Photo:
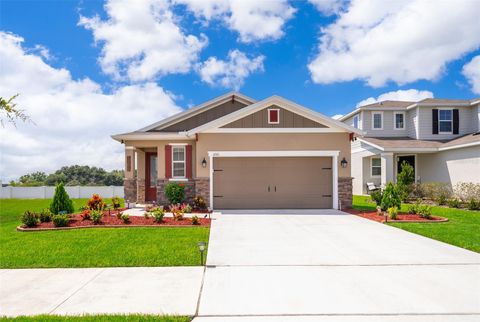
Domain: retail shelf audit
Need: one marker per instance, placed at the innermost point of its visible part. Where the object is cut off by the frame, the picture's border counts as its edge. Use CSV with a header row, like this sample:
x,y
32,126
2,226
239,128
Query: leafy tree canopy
x,y
75,175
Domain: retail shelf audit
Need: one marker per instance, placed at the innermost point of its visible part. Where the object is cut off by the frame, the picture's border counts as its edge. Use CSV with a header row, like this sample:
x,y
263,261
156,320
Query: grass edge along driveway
x,y
99,247
461,230
100,318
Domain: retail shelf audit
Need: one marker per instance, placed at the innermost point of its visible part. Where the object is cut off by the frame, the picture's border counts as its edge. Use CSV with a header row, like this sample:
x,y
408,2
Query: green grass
x,y
100,318
99,247
461,230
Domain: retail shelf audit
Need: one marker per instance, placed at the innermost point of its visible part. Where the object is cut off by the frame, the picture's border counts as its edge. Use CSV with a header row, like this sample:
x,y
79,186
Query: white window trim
x,y
371,167
178,178
358,121
451,121
395,120
373,123
278,115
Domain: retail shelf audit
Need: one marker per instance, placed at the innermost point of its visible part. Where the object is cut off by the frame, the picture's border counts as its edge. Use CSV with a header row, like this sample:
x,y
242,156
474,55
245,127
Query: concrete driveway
x,y
322,264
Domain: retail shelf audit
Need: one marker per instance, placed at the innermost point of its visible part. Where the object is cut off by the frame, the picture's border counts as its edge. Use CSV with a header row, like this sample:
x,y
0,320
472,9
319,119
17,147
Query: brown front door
x,y
274,183
150,176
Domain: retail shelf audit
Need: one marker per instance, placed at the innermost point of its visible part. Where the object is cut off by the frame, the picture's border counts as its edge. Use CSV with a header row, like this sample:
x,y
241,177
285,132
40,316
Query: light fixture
x,y
204,163
201,248
344,163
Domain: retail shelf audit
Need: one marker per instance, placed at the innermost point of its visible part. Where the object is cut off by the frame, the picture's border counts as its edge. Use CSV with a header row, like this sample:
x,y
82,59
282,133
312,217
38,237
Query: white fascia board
x,y
371,144
466,145
281,102
151,136
199,109
352,113
275,130
288,153
437,105
475,102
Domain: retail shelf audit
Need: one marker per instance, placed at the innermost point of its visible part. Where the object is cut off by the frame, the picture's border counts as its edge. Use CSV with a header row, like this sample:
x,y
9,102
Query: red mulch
x,y
401,217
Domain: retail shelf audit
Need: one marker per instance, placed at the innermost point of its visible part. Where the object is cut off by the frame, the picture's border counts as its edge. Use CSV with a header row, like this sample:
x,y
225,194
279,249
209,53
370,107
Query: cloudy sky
x,y
89,69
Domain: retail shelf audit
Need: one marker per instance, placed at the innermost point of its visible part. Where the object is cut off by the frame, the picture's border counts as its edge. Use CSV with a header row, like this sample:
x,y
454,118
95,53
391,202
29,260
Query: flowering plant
x,y
96,203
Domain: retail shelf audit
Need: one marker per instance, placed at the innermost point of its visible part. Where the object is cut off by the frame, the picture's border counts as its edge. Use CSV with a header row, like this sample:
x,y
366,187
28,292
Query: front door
x,y
150,176
410,159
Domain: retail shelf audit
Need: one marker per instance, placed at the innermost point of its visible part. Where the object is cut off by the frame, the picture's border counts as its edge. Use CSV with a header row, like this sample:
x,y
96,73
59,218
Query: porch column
x,y
387,168
129,182
140,176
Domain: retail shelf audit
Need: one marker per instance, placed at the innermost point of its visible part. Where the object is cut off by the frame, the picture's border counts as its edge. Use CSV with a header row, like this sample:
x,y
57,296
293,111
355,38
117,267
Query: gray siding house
x,y
440,138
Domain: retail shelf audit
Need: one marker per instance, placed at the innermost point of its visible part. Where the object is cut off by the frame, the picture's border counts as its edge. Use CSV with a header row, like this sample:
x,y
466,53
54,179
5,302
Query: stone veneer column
x,y
140,190
190,191
130,189
129,182
345,192
202,188
161,198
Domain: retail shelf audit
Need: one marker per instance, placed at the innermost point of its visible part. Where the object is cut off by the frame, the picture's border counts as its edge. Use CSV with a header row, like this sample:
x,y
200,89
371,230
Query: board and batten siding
x,y
465,126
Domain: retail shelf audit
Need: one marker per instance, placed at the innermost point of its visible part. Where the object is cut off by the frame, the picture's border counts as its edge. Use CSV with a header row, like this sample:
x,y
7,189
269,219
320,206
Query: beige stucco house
x,y
440,138
239,153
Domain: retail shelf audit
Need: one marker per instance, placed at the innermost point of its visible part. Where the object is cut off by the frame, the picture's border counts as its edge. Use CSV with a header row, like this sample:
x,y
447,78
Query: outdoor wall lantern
x,y
204,163
344,163
201,248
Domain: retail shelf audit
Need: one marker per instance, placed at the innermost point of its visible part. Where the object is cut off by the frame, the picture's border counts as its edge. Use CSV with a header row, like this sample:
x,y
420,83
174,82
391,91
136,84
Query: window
x,y
355,122
445,121
178,161
376,167
273,116
153,171
377,120
399,120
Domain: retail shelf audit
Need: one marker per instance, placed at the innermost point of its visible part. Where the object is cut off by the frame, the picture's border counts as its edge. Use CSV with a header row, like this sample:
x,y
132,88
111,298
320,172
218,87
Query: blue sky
x,y
324,54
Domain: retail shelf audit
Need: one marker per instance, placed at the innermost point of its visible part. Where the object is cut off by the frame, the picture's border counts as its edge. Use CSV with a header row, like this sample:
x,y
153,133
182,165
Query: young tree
x,y
10,113
390,197
61,201
405,179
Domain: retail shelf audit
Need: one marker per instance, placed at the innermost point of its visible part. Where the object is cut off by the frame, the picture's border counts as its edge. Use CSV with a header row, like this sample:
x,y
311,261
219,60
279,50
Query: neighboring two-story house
x,y
440,138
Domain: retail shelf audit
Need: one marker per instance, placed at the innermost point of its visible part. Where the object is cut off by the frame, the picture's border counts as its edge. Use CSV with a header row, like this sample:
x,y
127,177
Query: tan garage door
x,y
272,183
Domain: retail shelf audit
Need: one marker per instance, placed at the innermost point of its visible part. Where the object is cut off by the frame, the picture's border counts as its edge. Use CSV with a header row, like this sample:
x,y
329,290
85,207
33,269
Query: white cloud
x,y
337,116
232,72
471,71
400,41
73,118
254,20
141,40
412,95
328,7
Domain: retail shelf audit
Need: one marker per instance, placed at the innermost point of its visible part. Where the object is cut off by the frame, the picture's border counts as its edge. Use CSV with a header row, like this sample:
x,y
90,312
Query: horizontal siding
x,y
411,123
388,130
466,125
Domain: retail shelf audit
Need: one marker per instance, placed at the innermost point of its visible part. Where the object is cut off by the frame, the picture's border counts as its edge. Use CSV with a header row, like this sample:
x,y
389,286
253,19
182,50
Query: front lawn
x,y
99,247
461,230
100,318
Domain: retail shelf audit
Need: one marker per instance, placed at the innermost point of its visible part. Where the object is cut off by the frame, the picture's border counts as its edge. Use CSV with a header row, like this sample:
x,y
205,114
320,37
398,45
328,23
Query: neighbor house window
x,y
445,121
376,167
178,161
377,120
273,116
355,122
399,120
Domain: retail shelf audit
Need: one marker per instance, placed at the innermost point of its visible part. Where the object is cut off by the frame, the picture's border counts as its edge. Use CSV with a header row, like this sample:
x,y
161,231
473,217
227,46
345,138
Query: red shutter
x,y
188,161
168,161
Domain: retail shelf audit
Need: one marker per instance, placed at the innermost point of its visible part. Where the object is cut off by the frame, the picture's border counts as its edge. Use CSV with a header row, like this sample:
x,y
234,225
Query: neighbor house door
x,y
410,159
150,176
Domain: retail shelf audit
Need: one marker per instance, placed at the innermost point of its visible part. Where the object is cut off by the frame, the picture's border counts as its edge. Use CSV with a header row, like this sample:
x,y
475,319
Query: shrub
x,y
437,191
453,203
199,203
158,214
116,202
96,216
119,215
96,203
177,212
390,197
60,220
125,218
195,220
30,219
45,215
85,215
466,191
392,213
473,204
175,192
405,179
186,208
413,209
425,211
83,208
376,196
146,214
61,201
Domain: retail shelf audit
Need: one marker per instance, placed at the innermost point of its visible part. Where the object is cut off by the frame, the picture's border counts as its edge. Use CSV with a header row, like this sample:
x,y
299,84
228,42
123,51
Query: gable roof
x,y
281,102
198,109
383,105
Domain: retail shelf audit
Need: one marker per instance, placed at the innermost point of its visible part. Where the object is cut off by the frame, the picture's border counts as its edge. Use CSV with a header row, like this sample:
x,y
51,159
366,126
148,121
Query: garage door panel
x,y
294,182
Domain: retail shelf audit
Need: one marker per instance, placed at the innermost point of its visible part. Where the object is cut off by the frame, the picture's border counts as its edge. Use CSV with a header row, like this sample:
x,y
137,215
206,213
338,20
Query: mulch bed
x,y
111,221
401,217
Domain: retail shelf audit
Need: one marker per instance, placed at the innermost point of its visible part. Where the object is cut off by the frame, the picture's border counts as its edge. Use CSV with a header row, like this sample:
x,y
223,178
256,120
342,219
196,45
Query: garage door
x,y
272,182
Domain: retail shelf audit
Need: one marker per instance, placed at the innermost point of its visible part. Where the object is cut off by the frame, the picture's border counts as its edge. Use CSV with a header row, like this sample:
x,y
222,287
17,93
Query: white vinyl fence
x,y
45,192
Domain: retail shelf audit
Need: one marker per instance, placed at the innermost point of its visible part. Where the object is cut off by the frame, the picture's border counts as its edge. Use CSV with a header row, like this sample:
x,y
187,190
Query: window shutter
x,y
168,161
455,121
188,161
434,121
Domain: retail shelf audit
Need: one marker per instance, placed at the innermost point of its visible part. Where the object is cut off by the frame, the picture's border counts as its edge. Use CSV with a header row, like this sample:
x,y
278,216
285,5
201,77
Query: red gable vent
x,y
273,116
